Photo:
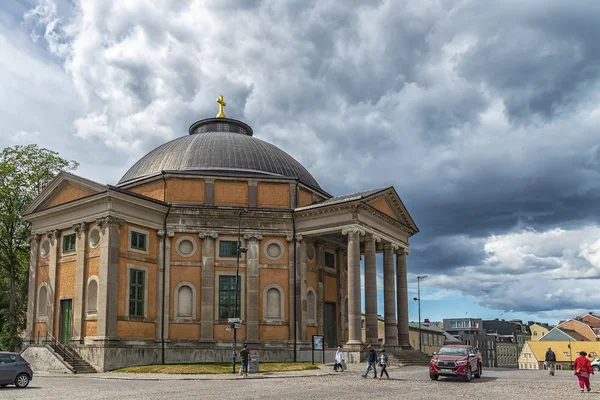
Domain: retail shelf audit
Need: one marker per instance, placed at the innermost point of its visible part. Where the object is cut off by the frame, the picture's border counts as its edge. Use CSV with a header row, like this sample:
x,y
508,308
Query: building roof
x,y
574,334
561,349
429,328
345,198
220,146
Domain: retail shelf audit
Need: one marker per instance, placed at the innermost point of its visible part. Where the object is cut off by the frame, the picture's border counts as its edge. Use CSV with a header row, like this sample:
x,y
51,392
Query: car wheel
x,y
479,371
22,381
596,368
469,375
434,377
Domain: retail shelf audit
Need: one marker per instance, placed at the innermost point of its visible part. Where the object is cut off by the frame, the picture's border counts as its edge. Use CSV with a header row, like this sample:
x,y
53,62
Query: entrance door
x,y
66,316
330,325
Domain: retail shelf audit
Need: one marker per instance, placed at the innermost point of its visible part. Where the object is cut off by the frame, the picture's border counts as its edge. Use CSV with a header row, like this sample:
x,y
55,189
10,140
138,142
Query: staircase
x,y
409,358
70,356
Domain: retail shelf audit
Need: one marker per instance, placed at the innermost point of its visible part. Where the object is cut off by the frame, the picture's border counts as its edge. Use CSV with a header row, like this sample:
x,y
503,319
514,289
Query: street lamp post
x,y
239,249
418,298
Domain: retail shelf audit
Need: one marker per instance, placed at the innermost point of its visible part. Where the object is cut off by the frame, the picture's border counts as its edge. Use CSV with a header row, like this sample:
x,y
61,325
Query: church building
x,y
144,272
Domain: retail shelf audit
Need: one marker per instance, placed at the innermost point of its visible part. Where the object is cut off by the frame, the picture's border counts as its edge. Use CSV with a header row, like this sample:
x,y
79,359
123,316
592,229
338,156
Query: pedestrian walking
x,y
339,359
551,361
384,362
245,356
583,370
371,362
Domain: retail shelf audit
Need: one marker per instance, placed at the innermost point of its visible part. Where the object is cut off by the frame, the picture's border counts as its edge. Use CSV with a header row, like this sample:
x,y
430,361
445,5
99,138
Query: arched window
x,y
185,301
273,303
42,305
311,306
92,295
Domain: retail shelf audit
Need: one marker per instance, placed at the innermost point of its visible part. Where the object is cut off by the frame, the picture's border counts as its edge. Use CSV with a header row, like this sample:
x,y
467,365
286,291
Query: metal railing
x,y
65,352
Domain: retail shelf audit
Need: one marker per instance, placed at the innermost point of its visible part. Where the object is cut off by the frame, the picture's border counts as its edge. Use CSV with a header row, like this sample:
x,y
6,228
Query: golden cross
x,y
222,104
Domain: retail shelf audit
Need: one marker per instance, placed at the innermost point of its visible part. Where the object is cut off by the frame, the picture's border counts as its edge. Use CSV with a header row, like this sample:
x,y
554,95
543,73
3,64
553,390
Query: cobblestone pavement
x,y
406,383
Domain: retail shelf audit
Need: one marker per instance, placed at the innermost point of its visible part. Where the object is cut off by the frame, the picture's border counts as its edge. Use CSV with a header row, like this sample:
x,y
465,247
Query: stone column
x,y
341,295
252,297
303,287
54,237
160,284
32,289
167,289
291,287
389,296
208,286
354,298
371,290
108,278
320,248
402,298
79,301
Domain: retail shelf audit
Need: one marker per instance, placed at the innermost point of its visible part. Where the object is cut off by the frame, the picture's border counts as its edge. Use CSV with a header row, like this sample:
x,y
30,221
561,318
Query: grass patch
x,y
215,368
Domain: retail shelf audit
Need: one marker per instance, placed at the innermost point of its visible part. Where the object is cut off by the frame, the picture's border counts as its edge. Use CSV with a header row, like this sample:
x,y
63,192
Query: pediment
x,y
64,188
388,202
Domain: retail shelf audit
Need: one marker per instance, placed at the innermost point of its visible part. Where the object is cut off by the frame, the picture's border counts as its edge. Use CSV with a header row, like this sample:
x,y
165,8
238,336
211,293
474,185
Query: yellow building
x,y
538,331
432,337
144,271
533,354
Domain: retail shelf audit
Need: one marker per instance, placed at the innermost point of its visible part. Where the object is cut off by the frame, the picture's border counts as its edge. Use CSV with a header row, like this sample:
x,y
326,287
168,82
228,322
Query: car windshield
x,y
452,351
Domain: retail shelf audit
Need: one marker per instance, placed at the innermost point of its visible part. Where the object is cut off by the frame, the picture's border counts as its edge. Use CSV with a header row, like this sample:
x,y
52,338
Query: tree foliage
x,y
24,172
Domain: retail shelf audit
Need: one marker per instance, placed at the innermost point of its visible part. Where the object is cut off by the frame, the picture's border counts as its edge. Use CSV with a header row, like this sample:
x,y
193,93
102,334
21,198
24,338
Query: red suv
x,y
455,360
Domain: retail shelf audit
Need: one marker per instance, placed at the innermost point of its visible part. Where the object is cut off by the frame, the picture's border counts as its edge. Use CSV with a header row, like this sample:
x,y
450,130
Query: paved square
x,y
406,383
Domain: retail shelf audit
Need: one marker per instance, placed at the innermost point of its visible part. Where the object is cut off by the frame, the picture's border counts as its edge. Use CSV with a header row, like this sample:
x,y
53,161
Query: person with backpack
x,y
384,362
551,361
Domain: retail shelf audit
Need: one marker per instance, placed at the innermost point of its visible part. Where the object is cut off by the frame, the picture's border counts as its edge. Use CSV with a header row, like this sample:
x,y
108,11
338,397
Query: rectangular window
x,y
227,297
138,241
329,260
227,248
68,243
137,284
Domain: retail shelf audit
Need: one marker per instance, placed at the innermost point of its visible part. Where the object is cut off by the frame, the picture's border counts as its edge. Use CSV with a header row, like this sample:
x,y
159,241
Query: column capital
x,y
105,222
290,238
372,236
253,236
401,251
208,235
80,228
53,235
35,237
353,229
319,243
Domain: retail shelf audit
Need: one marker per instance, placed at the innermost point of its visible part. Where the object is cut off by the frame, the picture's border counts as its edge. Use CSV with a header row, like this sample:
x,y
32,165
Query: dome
x,y
220,146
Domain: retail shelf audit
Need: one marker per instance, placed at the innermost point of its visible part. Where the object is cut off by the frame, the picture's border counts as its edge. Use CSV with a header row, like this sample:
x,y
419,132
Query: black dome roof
x,y
220,145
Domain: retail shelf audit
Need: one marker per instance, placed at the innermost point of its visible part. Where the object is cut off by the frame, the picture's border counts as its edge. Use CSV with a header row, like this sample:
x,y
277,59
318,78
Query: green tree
x,y
24,172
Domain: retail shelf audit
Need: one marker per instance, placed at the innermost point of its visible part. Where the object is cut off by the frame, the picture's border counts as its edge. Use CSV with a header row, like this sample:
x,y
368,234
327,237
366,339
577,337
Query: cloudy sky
x,y
483,115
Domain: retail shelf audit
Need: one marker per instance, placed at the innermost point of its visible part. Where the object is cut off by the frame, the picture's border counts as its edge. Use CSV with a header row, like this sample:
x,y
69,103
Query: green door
x,y
66,318
330,325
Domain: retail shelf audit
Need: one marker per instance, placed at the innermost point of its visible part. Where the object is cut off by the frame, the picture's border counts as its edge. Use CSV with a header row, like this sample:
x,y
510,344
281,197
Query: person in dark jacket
x,y
551,361
371,362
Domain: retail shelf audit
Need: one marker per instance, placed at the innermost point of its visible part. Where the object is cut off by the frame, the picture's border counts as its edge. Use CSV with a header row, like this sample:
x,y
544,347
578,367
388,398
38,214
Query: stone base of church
x,y
108,356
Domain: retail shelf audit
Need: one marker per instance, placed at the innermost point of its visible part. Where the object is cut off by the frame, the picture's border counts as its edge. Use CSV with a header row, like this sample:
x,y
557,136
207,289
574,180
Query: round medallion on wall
x,y
273,250
94,237
45,248
186,246
310,252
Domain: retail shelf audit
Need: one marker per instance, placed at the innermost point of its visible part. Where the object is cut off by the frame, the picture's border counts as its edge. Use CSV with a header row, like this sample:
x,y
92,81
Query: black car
x,y
14,370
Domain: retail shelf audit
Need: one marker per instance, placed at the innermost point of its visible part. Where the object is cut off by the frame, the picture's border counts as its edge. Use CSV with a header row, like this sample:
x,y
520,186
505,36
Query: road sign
x,y
237,325
233,320
228,329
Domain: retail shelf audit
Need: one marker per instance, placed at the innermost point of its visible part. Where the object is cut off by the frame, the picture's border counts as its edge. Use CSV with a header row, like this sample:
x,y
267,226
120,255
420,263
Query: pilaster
x,y
252,296
303,287
32,289
252,193
291,287
78,301
389,296
54,237
167,289
208,285
108,278
341,295
402,297
209,192
320,247
160,289
371,290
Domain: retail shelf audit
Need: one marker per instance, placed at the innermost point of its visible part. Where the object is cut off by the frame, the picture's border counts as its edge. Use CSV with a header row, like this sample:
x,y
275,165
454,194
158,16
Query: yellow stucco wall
x,y
383,206
184,331
40,330
153,189
330,288
187,191
192,275
537,331
65,289
93,267
304,198
284,257
269,277
151,289
271,332
229,193
276,195
196,257
311,282
69,193
41,276
310,331
136,329
219,332
152,240
90,328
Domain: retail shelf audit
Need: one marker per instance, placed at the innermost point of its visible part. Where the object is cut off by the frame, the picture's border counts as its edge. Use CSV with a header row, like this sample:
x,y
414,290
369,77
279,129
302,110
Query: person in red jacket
x,y
583,369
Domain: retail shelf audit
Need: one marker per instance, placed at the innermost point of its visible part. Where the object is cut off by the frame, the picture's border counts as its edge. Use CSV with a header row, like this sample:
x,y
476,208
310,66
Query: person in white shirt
x,y
339,359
